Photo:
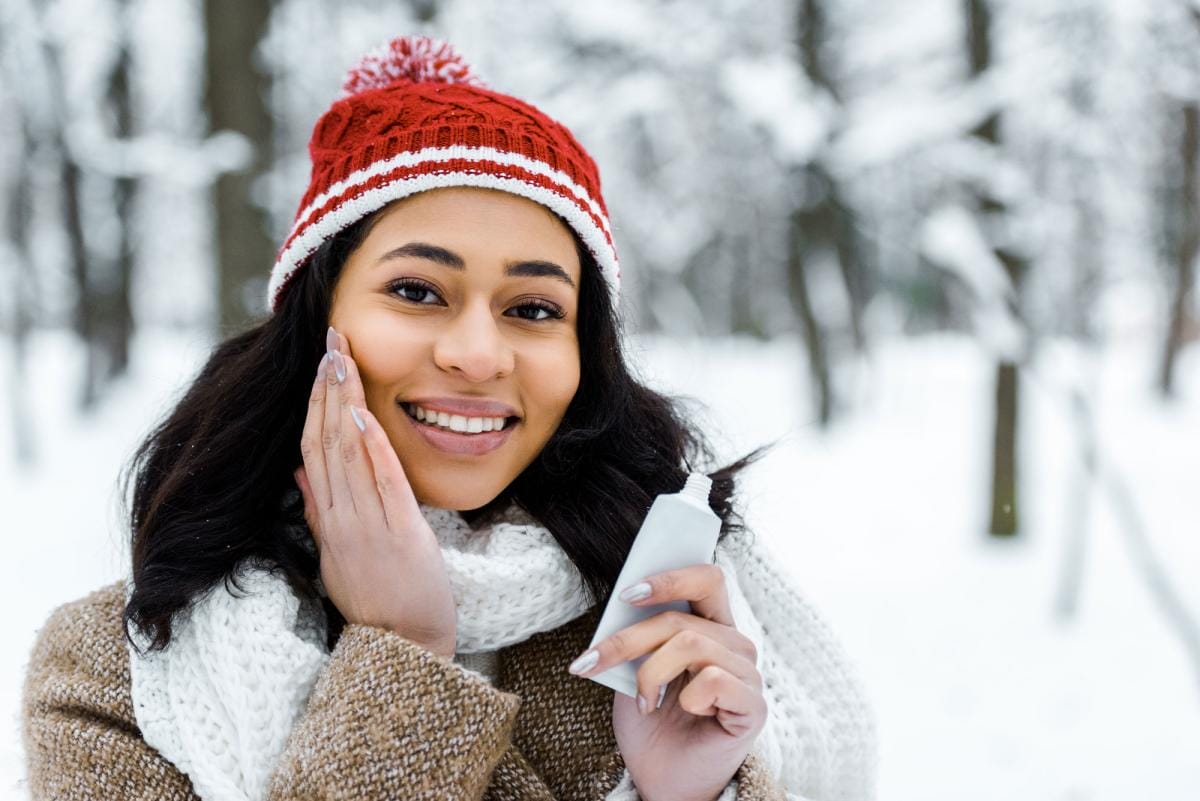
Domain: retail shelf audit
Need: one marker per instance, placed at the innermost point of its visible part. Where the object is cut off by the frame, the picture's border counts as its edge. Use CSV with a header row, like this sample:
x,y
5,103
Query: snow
x,y
774,93
950,237
980,690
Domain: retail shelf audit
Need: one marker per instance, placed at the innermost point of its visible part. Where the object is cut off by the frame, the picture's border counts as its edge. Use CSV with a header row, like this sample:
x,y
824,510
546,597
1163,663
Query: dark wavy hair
x,y
213,482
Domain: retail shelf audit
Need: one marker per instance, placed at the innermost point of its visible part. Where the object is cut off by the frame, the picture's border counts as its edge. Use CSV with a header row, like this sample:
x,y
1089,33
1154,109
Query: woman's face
x,y
455,294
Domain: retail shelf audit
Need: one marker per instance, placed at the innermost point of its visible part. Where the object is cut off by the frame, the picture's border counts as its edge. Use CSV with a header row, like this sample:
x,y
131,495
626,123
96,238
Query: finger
x,y
739,707
652,633
395,493
305,492
331,438
355,459
343,344
310,515
311,448
692,652
702,585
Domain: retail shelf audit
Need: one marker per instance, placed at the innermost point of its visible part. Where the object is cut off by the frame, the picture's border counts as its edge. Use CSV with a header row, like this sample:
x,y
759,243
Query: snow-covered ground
x,y
981,692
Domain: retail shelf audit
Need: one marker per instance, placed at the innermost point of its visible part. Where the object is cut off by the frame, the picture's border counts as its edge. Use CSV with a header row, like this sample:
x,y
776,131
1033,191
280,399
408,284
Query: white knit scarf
x,y
220,701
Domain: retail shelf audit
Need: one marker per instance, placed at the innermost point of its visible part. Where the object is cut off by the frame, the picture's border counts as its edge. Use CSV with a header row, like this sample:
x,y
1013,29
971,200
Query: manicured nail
x,y
331,340
585,662
358,421
339,366
643,707
662,693
636,592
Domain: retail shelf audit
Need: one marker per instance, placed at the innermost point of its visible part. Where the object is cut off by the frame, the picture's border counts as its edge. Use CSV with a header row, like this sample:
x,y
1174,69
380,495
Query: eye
x,y
552,311
410,285
418,288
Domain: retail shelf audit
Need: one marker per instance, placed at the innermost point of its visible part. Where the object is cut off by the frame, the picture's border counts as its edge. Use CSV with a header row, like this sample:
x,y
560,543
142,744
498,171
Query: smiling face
x,y
470,294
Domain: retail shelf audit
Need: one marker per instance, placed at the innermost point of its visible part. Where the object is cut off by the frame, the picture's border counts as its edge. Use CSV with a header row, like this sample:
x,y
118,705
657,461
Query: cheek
x,y
386,364
554,378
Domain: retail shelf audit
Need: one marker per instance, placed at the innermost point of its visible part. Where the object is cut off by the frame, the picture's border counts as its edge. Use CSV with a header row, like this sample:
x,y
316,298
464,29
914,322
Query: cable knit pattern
x,y
508,582
247,704
230,687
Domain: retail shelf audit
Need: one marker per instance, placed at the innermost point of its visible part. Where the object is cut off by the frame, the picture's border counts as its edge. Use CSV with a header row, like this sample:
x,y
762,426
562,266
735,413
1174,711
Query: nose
x,y
472,344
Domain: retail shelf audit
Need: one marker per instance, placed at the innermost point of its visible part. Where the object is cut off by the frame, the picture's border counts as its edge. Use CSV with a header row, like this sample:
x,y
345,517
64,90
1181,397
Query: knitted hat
x,y
413,116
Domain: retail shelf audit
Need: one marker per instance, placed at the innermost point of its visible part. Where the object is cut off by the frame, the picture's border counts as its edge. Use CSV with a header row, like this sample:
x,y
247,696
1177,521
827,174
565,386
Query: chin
x,y
458,498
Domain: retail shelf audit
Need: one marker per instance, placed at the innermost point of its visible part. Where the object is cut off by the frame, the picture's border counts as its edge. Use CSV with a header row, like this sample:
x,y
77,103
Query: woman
x,y
442,381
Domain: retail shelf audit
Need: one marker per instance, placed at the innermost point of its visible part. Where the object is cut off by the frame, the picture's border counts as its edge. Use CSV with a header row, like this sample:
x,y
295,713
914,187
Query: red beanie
x,y
412,117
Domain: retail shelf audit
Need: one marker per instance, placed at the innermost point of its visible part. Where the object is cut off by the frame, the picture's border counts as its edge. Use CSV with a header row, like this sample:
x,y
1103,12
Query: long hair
x,y
213,483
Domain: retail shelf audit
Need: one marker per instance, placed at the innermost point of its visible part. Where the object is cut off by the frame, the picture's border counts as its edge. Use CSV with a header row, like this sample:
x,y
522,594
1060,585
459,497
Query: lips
x,y
460,444
467,407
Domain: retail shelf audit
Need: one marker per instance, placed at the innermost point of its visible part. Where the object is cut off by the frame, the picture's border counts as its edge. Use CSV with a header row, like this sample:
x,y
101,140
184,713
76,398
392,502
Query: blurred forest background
x,y
826,177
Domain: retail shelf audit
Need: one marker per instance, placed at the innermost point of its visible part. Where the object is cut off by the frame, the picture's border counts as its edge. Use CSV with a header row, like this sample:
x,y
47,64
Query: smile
x,y
463,442
457,422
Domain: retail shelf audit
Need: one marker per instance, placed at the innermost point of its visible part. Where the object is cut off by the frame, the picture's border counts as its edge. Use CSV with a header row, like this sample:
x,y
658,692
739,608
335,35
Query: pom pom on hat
x,y
407,60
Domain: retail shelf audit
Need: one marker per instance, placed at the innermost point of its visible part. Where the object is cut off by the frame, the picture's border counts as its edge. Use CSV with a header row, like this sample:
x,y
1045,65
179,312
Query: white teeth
x,y
457,422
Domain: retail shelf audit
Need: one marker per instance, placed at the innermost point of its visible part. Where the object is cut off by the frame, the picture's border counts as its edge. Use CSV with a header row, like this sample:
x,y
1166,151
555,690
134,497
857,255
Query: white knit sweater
x,y
221,701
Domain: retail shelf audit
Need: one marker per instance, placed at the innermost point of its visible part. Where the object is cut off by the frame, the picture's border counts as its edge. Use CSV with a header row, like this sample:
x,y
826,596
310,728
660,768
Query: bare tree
x,y
1182,213
69,179
21,302
236,100
116,311
101,316
1003,519
822,225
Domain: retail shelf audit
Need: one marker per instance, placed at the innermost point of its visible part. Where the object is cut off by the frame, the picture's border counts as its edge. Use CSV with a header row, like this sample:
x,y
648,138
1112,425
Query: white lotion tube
x,y
680,530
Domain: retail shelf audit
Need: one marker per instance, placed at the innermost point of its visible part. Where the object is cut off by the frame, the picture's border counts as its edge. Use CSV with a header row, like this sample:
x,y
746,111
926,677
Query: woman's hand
x,y
690,747
380,561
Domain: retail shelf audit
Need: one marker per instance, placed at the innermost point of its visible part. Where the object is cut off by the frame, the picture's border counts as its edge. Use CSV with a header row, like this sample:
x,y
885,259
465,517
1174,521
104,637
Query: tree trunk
x,y
1004,456
83,316
236,99
24,294
1004,512
832,225
745,293
1184,244
814,340
117,307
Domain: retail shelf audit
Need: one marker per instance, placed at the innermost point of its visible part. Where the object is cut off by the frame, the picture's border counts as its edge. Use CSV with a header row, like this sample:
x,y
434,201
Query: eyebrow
x,y
446,258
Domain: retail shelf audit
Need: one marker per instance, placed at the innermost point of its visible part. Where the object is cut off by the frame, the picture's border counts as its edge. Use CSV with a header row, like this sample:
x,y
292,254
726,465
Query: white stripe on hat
x,y
436,154
372,200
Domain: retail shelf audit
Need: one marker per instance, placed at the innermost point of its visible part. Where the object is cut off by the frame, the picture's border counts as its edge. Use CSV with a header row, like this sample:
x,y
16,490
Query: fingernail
x,y
585,662
635,592
358,421
339,366
642,705
331,340
662,693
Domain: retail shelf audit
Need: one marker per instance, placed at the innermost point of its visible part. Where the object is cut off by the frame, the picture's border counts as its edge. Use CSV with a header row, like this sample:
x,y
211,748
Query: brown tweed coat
x,y
386,719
